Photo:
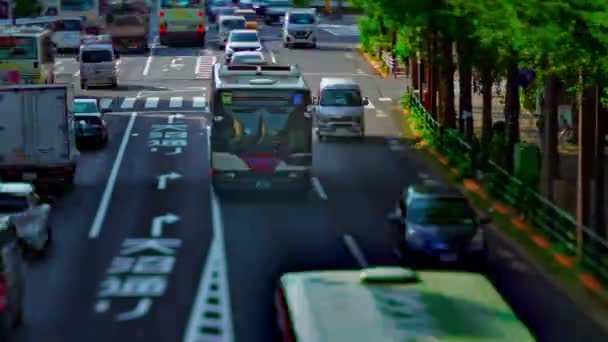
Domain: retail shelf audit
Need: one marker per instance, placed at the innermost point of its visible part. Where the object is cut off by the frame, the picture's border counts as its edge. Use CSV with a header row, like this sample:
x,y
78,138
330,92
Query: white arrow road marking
x,y
160,221
178,150
176,101
162,179
142,308
102,306
370,105
172,117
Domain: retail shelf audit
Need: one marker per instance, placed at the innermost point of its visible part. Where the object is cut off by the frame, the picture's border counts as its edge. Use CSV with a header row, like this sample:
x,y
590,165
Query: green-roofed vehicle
x,y
393,304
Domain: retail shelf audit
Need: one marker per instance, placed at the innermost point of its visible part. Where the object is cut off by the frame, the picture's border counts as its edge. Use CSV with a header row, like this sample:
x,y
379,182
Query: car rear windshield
x,y
341,98
435,210
12,204
85,107
96,56
244,37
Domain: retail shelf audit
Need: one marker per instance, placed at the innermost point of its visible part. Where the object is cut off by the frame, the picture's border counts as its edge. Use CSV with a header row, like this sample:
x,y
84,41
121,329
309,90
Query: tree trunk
x,y
587,108
447,114
465,75
486,115
413,71
512,109
550,114
599,209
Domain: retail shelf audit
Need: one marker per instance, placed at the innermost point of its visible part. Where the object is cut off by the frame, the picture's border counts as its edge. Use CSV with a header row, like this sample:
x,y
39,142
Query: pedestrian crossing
x,y
204,64
121,104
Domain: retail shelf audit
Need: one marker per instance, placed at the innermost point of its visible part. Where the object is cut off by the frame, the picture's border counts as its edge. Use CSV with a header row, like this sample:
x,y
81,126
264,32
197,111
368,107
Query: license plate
x,y
29,176
263,184
448,257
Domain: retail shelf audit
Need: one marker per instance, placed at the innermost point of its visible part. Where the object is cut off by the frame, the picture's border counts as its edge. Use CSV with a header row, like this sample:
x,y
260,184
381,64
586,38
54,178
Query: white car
x,y
248,58
21,207
242,40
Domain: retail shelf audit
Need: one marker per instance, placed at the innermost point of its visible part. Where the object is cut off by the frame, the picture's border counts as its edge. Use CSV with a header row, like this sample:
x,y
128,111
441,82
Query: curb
x,y
374,63
592,286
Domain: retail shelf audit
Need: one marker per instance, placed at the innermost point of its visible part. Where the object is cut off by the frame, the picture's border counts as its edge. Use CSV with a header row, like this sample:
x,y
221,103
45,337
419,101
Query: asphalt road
x,y
228,255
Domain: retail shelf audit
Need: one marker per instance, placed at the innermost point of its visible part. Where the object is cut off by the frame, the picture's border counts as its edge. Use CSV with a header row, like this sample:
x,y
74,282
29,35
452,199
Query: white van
x,y
98,64
227,23
300,27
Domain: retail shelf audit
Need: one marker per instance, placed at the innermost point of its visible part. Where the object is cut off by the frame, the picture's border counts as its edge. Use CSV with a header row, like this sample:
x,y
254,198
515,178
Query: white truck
x,y
37,142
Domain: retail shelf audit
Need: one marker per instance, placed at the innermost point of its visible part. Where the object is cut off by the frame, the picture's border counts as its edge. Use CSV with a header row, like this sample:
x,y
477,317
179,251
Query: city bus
x,y
86,9
261,132
182,21
67,31
385,304
31,49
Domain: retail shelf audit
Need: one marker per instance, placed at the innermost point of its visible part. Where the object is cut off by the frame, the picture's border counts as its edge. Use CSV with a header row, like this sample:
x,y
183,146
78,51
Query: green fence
x,y
556,224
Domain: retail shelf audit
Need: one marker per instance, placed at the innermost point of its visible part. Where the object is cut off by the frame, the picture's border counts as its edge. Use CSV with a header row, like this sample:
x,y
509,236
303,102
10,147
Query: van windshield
x,y
96,56
341,98
302,19
233,24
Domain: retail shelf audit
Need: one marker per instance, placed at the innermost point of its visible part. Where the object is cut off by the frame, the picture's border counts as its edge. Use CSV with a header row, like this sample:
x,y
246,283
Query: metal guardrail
x,y
393,65
556,224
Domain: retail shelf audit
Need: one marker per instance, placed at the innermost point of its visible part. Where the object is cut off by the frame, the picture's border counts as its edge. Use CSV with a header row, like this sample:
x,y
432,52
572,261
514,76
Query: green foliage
x,y
301,3
28,8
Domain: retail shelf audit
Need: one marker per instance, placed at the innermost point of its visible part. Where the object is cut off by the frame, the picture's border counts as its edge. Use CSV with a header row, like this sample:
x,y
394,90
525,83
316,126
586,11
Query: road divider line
x,y
107,193
151,102
272,56
149,59
316,184
355,251
175,101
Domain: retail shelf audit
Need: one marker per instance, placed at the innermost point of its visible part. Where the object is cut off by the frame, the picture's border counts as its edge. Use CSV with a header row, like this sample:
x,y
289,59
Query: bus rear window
x,y
180,4
68,25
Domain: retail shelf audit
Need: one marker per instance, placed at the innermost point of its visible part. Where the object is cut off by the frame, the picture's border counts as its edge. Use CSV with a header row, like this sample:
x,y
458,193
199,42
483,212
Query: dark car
x,y
274,11
436,223
89,123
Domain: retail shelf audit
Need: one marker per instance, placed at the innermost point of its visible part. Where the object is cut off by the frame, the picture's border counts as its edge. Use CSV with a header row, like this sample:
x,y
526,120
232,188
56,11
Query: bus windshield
x,y
180,4
18,48
261,121
77,5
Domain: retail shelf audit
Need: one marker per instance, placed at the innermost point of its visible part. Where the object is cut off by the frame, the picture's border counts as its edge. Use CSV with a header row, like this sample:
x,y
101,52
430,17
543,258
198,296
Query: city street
x,y
144,206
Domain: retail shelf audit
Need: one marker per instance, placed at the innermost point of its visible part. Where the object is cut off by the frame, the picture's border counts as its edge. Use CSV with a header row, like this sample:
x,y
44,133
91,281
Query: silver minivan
x,y
98,65
227,23
339,108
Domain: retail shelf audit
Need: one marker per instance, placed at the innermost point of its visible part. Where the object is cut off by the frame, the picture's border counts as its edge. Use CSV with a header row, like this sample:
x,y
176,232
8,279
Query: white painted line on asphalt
x,y
385,99
381,114
316,184
151,102
272,57
176,101
354,250
107,193
149,59
361,72
77,73
135,134
105,103
129,102
199,101
348,55
370,105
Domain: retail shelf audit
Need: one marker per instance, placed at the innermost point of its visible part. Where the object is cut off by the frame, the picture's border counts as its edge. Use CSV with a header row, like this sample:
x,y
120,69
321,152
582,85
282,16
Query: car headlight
x,y
478,240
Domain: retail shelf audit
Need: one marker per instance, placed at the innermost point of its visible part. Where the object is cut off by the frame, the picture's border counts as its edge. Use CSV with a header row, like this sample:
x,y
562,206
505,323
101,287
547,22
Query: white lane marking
x,y
385,99
361,72
107,193
370,105
204,65
149,59
272,56
135,134
151,102
105,103
175,101
129,102
381,114
77,73
215,263
316,184
199,101
354,250
348,55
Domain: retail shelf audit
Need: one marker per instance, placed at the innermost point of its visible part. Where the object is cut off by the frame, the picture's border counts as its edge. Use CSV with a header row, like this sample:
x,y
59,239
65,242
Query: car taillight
x,y
162,14
201,14
3,292
163,28
200,28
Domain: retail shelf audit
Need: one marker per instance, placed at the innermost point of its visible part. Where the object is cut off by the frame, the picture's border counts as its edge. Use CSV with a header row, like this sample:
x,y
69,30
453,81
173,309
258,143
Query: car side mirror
x,y
485,220
365,101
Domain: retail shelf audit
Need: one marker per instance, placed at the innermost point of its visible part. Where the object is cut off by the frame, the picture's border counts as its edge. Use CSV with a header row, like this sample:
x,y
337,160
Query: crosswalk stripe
x,y
129,102
199,101
175,102
105,103
370,105
151,102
